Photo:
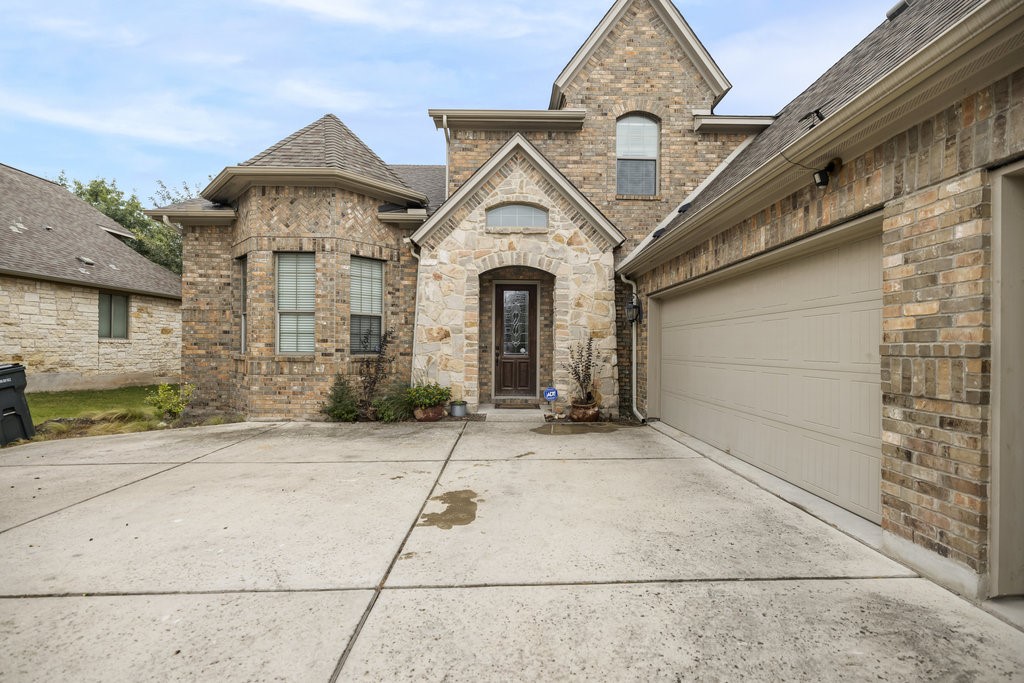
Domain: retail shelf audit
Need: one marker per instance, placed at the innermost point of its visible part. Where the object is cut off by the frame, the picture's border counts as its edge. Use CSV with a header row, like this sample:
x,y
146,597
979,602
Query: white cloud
x,y
494,20
160,118
86,32
318,95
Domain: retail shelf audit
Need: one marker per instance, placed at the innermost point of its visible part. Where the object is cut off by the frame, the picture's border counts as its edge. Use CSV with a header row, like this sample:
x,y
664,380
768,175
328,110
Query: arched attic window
x,y
517,216
636,143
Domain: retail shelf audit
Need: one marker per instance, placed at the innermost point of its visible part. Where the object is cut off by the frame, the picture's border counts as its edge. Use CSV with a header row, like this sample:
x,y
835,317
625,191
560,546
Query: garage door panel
x,y
794,389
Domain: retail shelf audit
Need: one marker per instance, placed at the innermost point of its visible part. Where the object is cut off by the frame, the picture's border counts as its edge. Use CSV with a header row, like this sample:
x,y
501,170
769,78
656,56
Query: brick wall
x,y
53,329
335,225
932,183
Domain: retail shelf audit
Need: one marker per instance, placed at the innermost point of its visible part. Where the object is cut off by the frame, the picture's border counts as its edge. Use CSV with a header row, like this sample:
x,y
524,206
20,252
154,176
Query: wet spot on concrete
x,y
460,510
580,428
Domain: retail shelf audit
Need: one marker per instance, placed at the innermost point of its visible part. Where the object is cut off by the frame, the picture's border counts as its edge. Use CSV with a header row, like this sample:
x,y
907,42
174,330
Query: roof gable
x,y
47,233
675,22
518,143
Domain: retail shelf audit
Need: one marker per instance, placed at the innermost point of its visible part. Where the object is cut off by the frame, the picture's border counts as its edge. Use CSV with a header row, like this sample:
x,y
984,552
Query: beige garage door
x,y
780,367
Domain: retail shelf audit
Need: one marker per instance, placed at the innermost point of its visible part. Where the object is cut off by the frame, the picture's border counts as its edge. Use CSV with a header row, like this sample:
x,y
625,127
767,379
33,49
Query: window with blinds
x,y
636,141
243,304
366,304
517,216
296,302
113,316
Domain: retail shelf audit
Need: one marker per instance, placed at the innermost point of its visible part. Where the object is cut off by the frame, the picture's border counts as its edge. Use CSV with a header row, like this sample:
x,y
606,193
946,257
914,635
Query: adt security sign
x,y
551,394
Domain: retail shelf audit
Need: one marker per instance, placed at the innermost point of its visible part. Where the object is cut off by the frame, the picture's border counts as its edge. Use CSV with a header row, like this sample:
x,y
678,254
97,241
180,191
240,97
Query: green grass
x,y
56,404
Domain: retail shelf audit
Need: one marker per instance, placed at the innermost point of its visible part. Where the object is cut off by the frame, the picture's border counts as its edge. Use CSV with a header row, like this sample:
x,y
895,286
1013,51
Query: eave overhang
x,y
519,143
225,216
412,217
234,180
986,45
682,32
713,123
26,275
508,119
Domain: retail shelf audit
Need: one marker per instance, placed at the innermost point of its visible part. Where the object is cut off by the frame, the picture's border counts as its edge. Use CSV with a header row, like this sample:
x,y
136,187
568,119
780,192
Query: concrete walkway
x,y
453,551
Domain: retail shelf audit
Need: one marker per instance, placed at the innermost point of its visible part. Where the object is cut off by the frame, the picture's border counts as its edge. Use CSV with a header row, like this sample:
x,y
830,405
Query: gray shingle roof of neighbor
x,y
326,143
885,48
48,233
430,180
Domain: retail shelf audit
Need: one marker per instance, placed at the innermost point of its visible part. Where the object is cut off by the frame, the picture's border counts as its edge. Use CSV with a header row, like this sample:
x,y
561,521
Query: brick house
x,y
831,294
79,308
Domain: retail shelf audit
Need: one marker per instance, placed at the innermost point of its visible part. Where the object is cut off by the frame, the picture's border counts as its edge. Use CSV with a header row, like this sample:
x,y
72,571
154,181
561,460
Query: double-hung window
x,y
296,302
113,316
367,304
636,141
243,304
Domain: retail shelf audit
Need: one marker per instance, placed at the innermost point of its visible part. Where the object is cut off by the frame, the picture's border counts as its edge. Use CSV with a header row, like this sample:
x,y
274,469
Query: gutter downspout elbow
x,y
639,416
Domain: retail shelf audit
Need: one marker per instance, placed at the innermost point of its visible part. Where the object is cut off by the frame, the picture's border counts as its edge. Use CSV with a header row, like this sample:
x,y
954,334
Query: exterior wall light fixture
x,y
822,177
634,311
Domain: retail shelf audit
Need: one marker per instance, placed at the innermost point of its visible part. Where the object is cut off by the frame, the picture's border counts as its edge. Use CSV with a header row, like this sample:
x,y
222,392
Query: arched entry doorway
x,y
516,334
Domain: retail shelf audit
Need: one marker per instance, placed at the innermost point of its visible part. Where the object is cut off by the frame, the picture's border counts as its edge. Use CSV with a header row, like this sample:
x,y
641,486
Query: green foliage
x,y
428,395
158,242
581,370
53,405
171,400
372,371
342,403
394,406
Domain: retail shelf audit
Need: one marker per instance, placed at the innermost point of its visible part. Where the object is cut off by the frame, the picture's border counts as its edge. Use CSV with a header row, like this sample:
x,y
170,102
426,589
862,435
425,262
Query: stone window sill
x,y
639,197
113,340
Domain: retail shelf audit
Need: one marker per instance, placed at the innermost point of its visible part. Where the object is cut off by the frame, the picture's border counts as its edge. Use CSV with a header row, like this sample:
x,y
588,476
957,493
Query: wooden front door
x,y
515,340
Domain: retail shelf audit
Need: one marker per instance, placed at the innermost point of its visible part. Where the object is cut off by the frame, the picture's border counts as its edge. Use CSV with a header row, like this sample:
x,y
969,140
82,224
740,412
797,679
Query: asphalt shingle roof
x,y
430,180
326,143
885,48
44,229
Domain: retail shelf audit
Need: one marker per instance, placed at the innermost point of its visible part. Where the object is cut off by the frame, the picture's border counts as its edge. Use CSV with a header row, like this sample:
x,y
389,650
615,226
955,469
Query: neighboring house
x,y
832,294
78,307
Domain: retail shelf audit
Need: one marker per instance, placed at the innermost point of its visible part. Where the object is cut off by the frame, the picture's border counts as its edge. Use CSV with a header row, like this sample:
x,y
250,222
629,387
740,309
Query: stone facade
x,y
53,330
464,252
333,224
931,180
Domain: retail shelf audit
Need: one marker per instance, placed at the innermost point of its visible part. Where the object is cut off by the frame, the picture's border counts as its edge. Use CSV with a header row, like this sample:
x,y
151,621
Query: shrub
x,y
428,395
342,404
171,400
581,367
394,406
372,372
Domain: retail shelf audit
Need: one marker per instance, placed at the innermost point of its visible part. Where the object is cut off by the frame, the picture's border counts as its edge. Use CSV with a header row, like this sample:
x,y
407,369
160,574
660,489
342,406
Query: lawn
x,y
66,404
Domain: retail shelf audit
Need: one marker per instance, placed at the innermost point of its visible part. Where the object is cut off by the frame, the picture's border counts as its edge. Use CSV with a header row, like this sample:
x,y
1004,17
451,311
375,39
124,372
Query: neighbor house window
x,y
517,216
113,316
296,302
243,304
636,139
367,304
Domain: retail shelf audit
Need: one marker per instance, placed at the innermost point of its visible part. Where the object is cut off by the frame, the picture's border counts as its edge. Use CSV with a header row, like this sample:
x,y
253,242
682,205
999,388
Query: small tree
x,y
581,368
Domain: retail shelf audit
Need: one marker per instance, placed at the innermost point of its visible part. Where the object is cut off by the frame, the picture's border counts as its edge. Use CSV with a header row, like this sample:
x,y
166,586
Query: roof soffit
x,y
675,22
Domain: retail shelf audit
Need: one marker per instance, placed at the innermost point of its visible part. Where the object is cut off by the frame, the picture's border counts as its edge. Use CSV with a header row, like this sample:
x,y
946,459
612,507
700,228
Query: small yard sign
x,y
551,394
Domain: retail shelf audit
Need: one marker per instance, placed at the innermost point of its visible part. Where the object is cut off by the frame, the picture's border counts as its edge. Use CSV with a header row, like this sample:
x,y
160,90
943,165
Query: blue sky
x,y
174,91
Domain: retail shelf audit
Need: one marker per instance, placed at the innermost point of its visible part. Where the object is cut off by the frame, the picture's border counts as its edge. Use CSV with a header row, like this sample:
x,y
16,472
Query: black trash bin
x,y
15,420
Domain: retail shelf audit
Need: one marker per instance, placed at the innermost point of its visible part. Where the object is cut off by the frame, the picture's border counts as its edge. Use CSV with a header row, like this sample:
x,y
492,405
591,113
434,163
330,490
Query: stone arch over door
x,y
544,325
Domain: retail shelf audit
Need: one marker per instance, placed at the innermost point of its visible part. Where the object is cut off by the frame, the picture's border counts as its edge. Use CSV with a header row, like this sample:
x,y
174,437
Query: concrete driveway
x,y
452,551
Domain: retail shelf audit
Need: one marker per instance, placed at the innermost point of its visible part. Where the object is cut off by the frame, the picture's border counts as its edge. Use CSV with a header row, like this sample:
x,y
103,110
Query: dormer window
x,y
517,216
636,139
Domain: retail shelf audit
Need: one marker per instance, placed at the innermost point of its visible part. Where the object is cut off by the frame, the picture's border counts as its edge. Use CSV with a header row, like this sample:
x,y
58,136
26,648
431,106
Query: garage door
x,y
780,367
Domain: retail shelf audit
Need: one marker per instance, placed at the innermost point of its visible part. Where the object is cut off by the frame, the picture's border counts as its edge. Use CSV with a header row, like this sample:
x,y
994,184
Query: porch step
x,y
519,413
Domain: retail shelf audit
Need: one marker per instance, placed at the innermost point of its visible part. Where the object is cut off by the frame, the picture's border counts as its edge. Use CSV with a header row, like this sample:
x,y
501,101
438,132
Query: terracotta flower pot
x,y
584,412
431,414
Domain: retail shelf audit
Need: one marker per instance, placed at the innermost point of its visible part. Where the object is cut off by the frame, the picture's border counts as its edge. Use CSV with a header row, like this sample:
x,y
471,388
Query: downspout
x,y
416,309
447,155
633,325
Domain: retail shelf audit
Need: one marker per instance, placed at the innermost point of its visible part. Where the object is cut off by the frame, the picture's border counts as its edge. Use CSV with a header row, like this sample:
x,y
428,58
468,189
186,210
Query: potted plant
x,y
428,401
457,408
582,405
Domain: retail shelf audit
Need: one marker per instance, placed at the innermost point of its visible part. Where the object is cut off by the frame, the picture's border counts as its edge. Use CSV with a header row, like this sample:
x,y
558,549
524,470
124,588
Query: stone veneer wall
x,y
937,283
335,225
53,330
448,335
638,68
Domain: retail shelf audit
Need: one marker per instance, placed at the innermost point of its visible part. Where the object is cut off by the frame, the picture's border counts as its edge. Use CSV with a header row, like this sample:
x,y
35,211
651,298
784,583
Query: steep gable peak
x,y
681,31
